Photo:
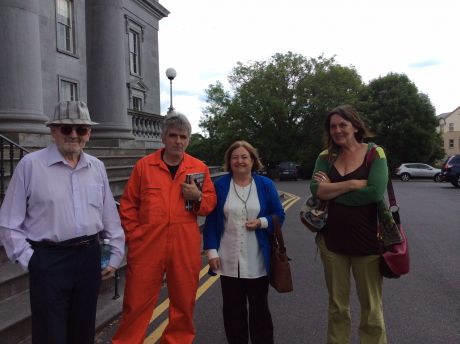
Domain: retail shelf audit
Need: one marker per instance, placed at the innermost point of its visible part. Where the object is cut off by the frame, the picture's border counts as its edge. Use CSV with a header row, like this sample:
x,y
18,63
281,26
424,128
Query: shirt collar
x,y
55,157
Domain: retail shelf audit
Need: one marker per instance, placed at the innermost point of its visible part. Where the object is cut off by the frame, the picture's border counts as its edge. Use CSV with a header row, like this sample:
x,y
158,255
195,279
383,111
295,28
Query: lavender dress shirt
x,y
49,200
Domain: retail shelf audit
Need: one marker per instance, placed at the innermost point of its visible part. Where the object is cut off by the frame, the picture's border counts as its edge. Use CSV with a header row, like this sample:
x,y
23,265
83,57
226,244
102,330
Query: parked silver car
x,y
408,171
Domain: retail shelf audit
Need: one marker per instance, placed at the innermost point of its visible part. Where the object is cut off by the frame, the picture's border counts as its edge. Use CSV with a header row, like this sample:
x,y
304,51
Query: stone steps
x,y
15,321
13,280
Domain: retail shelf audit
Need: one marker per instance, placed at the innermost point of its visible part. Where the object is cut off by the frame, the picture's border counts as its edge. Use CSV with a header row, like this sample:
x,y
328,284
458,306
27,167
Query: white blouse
x,y
239,252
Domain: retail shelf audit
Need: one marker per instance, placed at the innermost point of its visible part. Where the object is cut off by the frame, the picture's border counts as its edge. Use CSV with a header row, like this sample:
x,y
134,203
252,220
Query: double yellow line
x,y
290,201
160,309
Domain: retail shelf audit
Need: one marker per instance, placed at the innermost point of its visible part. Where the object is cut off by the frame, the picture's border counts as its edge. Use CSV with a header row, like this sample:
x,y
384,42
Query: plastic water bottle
x,y
105,253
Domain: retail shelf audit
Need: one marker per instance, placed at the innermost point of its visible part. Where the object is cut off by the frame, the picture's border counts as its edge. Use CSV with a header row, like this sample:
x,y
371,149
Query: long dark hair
x,y
348,113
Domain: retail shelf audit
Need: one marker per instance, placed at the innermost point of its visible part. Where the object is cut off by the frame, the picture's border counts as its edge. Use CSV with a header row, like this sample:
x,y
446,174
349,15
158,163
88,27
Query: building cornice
x,y
154,8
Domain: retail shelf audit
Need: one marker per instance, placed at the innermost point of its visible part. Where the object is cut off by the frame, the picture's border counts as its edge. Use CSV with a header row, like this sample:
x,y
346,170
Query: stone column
x,y
21,93
107,92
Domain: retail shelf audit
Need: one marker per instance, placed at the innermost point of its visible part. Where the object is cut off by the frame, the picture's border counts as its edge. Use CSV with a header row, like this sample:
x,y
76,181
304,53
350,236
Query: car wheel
x,y
405,177
456,181
438,178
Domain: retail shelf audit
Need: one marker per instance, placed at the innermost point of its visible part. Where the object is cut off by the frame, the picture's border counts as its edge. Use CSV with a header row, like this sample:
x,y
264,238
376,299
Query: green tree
x,y
214,123
278,105
198,147
328,86
402,119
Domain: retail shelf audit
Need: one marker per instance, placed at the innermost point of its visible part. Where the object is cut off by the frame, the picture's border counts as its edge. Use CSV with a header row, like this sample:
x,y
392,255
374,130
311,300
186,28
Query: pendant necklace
x,y
241,199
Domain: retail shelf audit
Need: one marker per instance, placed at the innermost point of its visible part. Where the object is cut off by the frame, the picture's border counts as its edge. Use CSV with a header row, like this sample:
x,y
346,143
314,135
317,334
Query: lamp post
x,y
171,74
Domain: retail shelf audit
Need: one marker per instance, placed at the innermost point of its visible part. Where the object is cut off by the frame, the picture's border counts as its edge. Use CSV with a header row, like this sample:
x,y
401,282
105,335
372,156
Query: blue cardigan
x,y
269,205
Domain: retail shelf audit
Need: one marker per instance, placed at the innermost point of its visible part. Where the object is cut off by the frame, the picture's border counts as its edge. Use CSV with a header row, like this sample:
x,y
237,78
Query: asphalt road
x,y
421,307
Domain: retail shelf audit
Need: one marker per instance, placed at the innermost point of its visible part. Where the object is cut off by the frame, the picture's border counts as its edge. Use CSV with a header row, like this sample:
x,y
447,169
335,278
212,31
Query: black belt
x,y
71,243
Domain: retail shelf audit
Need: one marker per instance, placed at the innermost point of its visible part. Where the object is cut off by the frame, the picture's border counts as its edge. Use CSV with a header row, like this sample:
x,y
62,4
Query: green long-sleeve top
x,y
376,182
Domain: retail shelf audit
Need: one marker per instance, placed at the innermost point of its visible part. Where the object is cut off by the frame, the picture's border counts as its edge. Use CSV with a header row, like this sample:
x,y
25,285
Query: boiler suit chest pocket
x,y
152,202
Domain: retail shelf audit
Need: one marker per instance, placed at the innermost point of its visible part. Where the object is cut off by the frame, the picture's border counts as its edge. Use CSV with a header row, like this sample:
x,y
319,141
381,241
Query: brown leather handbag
x,y
280,274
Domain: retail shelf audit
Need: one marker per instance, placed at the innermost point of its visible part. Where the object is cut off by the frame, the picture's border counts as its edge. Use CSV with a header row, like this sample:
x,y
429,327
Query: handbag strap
x,y
394,208
391,193
277,234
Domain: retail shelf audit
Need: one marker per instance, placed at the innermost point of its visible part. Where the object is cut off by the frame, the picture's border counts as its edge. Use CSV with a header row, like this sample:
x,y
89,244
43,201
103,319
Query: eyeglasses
x,y
67,130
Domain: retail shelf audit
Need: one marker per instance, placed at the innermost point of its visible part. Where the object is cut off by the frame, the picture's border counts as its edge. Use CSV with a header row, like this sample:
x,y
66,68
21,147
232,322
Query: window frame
x,y
61,81
140,102
136,94
137,29
134,54
72,28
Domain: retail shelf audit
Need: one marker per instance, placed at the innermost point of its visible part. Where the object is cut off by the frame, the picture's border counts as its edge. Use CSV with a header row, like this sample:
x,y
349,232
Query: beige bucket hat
x,y
71,112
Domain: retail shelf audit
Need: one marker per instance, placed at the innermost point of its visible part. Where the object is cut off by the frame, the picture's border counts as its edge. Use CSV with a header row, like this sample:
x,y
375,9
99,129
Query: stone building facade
x,y
449,127
104,52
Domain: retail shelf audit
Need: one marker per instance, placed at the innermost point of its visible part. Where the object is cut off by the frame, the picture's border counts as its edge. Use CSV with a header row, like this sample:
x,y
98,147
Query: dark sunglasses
x,y
67,130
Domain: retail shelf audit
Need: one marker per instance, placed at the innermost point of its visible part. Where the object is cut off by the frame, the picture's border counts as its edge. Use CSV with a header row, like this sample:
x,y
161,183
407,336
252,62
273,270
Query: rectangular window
x,y
451,143
134,52
451,126
65,27
68,90
137,103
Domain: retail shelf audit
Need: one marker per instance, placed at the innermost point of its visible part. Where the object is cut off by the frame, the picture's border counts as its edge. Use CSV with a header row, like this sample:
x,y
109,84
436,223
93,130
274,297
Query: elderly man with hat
x,y
57,207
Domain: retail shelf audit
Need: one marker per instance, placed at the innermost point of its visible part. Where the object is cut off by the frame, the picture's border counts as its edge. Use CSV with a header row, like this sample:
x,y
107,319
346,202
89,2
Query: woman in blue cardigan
x,y
237,243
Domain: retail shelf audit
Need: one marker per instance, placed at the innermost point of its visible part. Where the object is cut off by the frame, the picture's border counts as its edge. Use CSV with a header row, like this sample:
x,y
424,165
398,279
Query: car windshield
x,y
455,159
287,165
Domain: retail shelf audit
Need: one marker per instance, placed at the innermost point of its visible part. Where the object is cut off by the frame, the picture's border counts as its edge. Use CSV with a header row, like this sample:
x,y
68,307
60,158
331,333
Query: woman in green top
x,y
349,240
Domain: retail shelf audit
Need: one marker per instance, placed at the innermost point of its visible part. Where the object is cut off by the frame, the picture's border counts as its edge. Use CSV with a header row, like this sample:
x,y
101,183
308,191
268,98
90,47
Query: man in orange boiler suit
x,y
163,237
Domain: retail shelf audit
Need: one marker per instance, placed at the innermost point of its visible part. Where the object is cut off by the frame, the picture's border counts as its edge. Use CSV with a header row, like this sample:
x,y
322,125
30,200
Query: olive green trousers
x,y
368,282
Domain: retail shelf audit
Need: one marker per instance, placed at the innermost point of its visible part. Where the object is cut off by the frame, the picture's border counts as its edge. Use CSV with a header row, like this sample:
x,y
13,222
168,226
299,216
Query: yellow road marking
x,y
165,304
290,202
156,334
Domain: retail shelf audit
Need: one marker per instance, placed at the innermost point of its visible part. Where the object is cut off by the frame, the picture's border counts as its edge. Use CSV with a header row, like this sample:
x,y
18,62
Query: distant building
x,y
449,127
104,52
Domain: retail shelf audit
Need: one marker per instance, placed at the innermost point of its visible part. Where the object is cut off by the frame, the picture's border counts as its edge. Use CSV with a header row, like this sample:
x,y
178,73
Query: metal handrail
x,y
12,146
116,293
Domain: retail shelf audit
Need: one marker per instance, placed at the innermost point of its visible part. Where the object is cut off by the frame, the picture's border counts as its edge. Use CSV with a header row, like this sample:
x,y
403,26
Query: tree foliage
x,y
402,119
280,105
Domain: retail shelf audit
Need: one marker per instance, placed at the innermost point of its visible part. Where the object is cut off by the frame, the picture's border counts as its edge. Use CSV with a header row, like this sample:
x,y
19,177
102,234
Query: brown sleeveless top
x,y
351,230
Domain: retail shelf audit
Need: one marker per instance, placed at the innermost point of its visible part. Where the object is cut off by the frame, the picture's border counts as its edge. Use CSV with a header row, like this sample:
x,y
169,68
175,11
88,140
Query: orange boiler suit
x,y
162,238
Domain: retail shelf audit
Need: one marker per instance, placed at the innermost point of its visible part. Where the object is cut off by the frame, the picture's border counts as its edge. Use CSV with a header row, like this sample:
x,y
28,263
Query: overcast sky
x,y
204,39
